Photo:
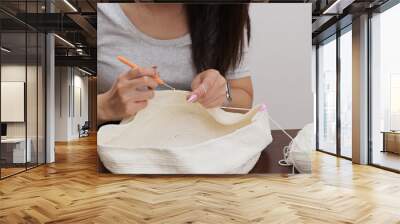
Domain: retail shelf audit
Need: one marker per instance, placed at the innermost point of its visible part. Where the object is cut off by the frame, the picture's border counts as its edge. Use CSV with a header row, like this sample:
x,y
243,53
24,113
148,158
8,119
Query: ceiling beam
x,y
89,30
337,7
78,61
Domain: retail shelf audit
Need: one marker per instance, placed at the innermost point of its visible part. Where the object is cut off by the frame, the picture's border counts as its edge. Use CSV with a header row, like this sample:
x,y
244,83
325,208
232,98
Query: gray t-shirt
x,y
117,35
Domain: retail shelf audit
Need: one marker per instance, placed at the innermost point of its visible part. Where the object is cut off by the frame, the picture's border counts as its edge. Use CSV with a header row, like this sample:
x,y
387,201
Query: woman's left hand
x,y
209,89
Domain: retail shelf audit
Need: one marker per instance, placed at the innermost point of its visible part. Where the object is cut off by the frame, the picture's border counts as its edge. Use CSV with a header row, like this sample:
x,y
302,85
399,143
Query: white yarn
x,y
126,153
172,136
298,153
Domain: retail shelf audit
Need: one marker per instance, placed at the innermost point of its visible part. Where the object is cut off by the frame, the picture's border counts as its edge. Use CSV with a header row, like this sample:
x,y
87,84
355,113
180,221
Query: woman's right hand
x,y
128,95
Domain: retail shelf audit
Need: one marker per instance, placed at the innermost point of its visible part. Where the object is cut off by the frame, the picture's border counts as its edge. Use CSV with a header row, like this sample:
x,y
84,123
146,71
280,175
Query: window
x,y
385,89
335,74
346,93
327,96
395,102
22,77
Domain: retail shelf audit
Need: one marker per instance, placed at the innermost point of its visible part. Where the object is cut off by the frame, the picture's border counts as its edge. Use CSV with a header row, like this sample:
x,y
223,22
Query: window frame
x,y
381,9
27,29
334,37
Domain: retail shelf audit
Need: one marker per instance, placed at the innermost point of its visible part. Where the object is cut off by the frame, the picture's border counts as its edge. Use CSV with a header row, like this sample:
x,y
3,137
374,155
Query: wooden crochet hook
x,y
134,66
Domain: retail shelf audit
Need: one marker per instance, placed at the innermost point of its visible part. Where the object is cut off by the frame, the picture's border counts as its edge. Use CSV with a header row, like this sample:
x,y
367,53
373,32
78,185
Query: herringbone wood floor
x,y
71,191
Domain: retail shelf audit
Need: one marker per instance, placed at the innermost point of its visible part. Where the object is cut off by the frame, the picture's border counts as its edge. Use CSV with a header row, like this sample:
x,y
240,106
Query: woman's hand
x,y
209,89
128,95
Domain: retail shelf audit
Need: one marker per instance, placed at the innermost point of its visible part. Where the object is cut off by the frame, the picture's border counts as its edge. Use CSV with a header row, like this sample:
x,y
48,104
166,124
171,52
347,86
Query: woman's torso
x,y
115,30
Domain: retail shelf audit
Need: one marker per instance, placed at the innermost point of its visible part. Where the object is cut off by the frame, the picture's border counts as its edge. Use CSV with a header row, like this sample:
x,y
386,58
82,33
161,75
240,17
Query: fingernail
x,y
192,98
263,107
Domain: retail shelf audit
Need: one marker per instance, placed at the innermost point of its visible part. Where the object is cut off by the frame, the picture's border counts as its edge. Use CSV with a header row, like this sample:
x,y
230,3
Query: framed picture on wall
x,y
12,101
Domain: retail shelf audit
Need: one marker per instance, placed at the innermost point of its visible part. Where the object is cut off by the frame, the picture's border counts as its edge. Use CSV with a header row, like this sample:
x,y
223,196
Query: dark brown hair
x,y
218,34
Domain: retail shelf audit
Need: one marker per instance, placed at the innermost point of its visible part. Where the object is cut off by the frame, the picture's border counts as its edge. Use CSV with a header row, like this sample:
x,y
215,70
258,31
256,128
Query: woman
x,y
199,48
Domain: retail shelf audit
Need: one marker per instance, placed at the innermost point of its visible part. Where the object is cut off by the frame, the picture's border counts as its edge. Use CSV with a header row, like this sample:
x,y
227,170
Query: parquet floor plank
x,y
71,191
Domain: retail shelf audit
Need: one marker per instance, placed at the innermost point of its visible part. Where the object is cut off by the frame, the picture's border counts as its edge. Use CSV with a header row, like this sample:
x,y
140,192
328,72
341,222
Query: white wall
x,y
17,73
280,61
61,104
68,81
34,125
80,83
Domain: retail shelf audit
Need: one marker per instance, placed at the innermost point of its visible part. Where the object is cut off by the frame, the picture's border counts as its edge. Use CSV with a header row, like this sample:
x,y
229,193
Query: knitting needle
x,y
157,74
122,59
236,108
263,107
165,84
134,66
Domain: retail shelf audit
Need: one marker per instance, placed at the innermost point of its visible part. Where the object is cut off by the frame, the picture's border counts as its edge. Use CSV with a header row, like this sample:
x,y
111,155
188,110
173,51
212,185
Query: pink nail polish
x,y
263,107
192,98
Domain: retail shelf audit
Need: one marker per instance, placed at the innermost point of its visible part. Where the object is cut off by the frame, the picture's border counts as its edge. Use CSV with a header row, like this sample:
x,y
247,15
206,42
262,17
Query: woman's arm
x,y
209,89
241,92
127,96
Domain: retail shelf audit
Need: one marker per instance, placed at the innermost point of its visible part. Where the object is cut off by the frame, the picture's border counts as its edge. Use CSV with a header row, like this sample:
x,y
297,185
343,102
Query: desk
x,y
391,141
15,148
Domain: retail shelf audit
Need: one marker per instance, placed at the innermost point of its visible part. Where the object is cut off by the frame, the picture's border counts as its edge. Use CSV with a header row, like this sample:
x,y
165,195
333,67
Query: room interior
x,y
25,66
22,101
334,107
48,93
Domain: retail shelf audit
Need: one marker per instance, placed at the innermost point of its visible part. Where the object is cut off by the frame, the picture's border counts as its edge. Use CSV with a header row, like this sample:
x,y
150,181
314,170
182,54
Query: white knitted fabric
x,y
171,136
